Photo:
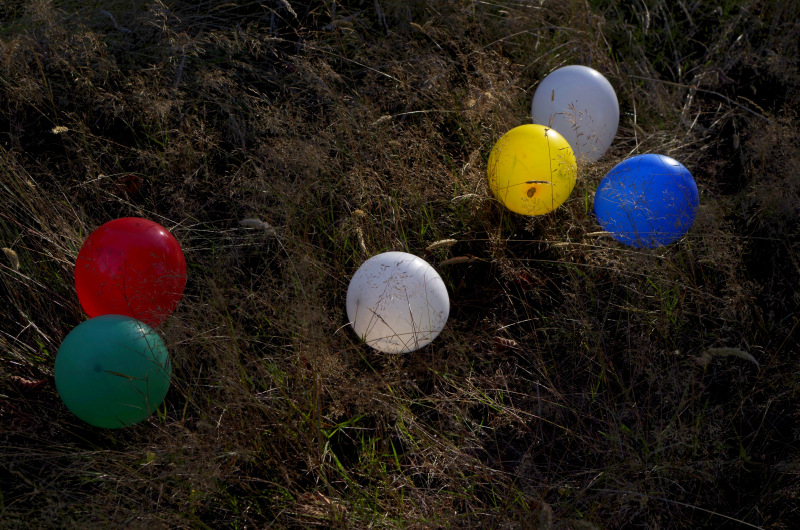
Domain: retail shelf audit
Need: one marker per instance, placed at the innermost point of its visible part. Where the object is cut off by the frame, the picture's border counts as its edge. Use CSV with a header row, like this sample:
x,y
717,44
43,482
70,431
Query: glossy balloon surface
x,y
130,266
531,170
397,302
581,104
112,371
647,201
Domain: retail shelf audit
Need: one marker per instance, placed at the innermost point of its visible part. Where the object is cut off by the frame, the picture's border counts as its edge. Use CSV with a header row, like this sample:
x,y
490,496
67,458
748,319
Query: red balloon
x,y
131,266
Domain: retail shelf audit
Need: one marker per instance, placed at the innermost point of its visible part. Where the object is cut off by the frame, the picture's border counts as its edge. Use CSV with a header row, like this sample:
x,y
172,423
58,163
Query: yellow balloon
x,y
532,169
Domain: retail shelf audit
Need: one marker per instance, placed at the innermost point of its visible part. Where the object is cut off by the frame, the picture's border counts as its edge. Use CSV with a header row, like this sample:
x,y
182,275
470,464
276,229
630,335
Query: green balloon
x,y
112,371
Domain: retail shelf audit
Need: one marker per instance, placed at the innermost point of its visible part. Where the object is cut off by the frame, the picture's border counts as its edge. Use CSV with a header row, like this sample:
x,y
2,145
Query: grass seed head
x,y
12,257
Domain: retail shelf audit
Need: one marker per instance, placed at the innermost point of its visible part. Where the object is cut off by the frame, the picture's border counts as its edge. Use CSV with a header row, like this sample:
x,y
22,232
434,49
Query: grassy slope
x,y
569,387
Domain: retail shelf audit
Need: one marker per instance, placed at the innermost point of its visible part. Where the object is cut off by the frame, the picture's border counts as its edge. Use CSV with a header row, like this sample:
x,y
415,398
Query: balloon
x,y
581,104
647,201
532,170
112,371
130,266
397,302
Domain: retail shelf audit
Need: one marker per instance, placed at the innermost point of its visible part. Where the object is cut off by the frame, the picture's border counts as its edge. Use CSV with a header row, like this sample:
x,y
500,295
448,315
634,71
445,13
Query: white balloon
x,y
397,302
581,105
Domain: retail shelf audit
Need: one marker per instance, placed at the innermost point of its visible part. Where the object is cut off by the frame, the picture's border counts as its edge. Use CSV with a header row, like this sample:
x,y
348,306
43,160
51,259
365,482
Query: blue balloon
x,y
647,201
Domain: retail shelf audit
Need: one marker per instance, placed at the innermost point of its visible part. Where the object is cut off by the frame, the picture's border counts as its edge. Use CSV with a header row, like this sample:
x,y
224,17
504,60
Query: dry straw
x,y
459,259
12,257
360,235
258,223
710,353
442,243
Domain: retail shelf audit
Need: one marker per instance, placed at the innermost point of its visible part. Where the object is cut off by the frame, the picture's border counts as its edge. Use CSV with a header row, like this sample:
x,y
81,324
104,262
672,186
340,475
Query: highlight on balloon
x,y
647,201
397,302
532,170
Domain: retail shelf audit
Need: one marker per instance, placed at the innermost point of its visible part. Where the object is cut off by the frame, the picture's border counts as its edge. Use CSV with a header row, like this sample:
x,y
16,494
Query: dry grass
x,y
578,383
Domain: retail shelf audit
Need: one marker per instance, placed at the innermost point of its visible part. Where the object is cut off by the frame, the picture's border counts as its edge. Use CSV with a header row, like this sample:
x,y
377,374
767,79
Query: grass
x,y
578,383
